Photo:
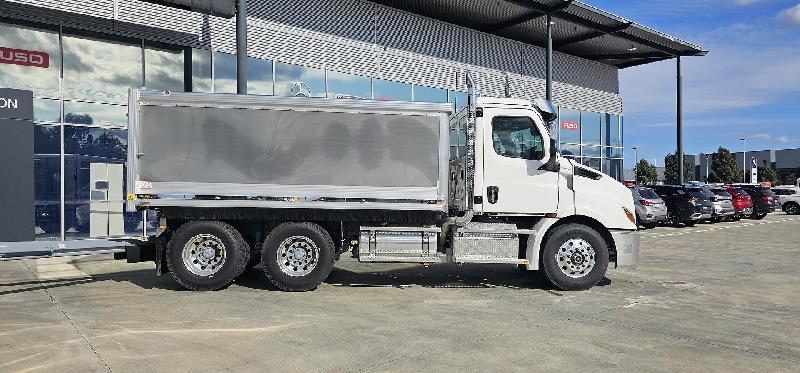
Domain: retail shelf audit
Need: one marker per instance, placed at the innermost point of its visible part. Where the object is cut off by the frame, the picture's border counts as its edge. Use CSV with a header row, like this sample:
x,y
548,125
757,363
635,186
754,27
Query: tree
x,y
646,173
767,174
725,167
713,179
671,169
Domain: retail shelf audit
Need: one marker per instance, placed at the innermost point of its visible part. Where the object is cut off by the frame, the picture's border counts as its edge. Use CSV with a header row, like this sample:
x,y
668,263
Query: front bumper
x,y
627,245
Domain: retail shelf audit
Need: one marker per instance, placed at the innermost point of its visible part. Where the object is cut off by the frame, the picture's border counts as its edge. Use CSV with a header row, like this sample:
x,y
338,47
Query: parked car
x,y
742,202
685,205
722,202
650,208
764,201
789,199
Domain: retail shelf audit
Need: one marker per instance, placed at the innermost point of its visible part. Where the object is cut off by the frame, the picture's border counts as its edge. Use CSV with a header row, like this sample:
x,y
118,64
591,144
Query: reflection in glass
x,y
428,94
46,110
96,114
100,70
163,69
346,85
201,70
570,150
88,154
224,73
386,90
592,162
459,99
43,81
592,151
614,152
569,128
613,134
590,127
47,184
286,75
259,76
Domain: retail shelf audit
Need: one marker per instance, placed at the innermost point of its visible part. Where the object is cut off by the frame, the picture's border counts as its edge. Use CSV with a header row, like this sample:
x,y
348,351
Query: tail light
x,y
645,202
766,198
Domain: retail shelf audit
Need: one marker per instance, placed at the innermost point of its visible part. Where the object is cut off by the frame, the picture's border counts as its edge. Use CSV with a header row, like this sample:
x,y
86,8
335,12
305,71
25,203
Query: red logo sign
x,y
571,126
24,57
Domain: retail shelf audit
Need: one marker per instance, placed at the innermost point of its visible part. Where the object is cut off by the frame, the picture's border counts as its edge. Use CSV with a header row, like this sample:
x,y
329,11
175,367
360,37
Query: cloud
x,y
783,139
790,16
763,136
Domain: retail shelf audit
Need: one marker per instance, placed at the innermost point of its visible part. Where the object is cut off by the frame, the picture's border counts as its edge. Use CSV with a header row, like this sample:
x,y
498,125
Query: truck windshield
x,y
517,137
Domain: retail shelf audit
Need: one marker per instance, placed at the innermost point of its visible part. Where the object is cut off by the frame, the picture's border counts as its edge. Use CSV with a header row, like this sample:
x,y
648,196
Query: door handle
x,y
492,194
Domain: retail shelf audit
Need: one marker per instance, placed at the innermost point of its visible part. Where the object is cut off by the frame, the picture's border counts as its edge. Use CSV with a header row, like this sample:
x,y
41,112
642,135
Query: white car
x,y
789,198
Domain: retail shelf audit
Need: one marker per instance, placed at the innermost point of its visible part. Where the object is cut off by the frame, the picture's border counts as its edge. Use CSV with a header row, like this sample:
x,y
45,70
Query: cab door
x,y
515,147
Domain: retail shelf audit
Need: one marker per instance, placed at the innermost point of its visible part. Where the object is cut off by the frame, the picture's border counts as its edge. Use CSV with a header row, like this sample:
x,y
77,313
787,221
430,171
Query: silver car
x,y
650,208
723,203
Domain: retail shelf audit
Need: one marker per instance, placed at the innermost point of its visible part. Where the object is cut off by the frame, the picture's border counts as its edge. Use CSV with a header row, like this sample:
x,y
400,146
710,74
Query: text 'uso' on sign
x,y
571,126
24,57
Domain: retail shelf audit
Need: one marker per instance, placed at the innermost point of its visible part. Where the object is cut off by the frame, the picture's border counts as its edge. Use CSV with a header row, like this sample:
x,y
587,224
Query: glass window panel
x,y
224,73
46,110
614,134
590,128
43,81
163,69
591,151
386,90
459,99
85,148
47,184
97,114
286,75
569,128
614,152
429,94
570,150
201,70
592,162
346,85
259,76
100,70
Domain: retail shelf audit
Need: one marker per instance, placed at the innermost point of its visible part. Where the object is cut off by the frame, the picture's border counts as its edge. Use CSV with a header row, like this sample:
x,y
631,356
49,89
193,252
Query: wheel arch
x,y
534,251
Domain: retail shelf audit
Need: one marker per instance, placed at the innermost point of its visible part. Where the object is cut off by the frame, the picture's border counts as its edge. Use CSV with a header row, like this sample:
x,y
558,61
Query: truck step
x,y
487,243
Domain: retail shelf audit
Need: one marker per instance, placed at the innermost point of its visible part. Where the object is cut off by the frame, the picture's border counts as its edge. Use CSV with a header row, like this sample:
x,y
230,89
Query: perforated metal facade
x,y
350,36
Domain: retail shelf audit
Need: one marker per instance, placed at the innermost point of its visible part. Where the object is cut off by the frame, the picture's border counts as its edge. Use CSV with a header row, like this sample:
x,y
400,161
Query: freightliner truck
x,y
293,183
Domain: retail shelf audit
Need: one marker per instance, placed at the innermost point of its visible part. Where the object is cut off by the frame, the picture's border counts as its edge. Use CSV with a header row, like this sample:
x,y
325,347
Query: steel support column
x,y
680,121
549,60
241,47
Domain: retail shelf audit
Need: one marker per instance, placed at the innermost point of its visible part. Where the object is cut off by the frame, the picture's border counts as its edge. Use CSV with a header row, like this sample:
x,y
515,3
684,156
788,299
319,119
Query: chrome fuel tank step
x,y
487,243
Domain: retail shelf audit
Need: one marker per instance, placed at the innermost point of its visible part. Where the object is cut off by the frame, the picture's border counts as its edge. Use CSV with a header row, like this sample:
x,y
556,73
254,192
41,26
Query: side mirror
x,y
552,164
546,109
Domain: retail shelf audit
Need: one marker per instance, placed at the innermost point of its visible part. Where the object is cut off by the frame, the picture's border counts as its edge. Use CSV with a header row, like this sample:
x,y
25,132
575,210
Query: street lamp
x,y
636,165
744,159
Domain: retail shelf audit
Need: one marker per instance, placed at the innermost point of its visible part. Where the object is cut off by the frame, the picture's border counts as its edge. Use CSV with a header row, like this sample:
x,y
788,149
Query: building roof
x,y
579,29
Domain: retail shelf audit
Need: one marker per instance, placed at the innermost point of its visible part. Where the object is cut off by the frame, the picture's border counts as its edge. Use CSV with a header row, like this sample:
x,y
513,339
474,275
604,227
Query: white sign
x,y
754,175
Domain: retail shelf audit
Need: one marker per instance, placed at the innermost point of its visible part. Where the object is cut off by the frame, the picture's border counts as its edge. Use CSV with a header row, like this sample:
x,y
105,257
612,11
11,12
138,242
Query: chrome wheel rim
x,y
297,256
203,255
576,258
792,209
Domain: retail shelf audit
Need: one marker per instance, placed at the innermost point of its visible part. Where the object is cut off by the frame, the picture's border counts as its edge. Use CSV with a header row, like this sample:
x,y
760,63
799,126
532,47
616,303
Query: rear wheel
x,y
690,223
758,216
791,208
575,257
207,255
298,256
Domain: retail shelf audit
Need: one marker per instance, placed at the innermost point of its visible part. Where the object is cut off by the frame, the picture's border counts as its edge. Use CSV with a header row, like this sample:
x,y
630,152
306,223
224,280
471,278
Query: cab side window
x,y
517,137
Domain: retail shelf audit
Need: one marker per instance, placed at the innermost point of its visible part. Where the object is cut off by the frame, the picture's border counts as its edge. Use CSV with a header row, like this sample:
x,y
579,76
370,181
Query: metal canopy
x,y
579,29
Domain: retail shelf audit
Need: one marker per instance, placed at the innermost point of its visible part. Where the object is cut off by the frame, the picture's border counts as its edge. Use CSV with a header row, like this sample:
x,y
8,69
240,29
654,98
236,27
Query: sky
x,y
747,86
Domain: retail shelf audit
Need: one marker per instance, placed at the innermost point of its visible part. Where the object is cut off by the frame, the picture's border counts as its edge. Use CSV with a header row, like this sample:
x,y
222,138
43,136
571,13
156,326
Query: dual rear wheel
x,y
210,255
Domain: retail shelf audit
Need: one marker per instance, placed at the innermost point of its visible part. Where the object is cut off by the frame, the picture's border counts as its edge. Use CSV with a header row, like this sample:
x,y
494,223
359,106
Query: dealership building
x,y
80,57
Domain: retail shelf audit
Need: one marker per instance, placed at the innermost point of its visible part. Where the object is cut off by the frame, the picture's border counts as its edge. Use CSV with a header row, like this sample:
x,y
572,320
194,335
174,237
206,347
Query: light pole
x,y
744,159
636,165
707,161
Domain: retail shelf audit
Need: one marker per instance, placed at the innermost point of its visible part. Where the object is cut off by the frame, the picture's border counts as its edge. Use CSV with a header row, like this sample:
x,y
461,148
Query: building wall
x,y
353,37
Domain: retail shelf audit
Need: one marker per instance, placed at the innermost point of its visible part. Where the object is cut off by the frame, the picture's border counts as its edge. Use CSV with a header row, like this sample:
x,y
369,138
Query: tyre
x,y
650,225
758,216
575,257
791,208
207,255
298,256
690,223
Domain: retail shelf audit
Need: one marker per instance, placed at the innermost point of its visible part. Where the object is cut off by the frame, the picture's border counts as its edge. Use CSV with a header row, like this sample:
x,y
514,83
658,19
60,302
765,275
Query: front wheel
x,y
298,256
575,257
791,208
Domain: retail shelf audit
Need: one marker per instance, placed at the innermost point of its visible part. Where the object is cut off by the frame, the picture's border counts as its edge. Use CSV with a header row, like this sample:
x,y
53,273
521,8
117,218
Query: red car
x,y
742,202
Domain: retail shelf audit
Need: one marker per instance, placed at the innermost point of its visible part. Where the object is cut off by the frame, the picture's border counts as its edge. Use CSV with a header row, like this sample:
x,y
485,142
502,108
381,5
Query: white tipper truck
x,y
292,183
